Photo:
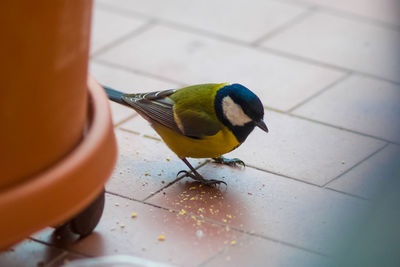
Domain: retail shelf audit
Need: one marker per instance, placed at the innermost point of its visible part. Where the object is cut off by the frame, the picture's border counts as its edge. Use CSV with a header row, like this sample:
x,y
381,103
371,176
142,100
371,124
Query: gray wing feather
x,y
154,106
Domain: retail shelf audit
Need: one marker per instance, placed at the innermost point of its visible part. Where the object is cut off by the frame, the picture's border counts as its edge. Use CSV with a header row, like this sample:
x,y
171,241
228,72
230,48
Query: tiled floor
x,y
328,75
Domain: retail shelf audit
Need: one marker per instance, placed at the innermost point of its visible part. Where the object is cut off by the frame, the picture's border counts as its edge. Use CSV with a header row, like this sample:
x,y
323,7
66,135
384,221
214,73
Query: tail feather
x,y
115,95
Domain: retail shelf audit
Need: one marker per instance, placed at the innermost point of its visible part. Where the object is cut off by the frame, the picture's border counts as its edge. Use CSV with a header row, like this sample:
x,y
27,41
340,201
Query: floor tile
x,y
291,145
265,204
154,234
125,81
29,253
261,252
120,113
240,19
384,11
371,178
304,150
144,166
343,42
359,103
280,83
108,27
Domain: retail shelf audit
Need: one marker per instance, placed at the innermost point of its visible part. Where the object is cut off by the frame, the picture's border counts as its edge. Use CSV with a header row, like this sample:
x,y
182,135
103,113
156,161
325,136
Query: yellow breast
x,y
209,147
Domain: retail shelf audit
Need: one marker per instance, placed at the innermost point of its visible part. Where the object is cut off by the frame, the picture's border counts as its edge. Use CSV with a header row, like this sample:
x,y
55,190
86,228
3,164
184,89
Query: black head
x,y
239,109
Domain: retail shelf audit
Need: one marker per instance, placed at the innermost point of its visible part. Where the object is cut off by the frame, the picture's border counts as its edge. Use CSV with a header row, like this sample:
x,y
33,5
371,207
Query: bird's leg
x,y
196,176
230,162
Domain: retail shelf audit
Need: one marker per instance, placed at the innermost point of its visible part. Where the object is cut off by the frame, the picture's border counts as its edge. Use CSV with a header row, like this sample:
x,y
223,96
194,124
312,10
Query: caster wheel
x,y
84,223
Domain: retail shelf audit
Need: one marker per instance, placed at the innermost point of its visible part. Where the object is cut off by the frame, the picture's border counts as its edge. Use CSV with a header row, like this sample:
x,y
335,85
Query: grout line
x,y
302,16
123,196
283,175
343,13
332,126
152,137
125,120
123,38
348,194
345,129
297,180
180,177
126,12
128,131
223,250
141,134
136,71
359,18
220,252
140,201
357,164
163,188
326,88
282,242
322,64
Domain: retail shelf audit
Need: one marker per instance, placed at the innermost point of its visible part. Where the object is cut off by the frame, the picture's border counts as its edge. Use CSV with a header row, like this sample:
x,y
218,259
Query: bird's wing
x,y
154,106
159,107
197,124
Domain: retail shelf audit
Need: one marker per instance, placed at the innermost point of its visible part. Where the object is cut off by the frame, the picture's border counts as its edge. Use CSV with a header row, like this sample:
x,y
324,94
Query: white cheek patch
x,y
234,112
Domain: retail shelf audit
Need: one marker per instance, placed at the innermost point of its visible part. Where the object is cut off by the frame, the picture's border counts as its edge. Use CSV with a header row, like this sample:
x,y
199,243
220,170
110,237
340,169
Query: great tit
x,y
199,121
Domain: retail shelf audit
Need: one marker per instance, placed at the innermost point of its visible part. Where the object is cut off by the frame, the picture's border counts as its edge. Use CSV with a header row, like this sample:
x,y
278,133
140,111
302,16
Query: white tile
x,y
108,26
383,10
343,42
359,103
270,206
372,177
280,83
262,252
304,150
245,20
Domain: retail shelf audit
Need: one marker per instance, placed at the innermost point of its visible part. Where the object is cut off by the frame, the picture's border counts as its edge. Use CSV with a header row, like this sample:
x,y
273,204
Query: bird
x,y
199,121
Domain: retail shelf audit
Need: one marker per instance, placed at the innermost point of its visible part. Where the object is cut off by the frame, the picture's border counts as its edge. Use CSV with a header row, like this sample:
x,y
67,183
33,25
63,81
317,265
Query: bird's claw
x,y
230,162
183,171
200,178
213,181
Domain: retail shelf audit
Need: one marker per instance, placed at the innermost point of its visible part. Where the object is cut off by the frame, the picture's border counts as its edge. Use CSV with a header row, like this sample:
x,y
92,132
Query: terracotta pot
x,y
57,146
43,97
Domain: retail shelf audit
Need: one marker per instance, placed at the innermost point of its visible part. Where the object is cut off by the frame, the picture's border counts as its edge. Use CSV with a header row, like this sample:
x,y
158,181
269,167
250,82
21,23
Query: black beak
x,y
262,125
